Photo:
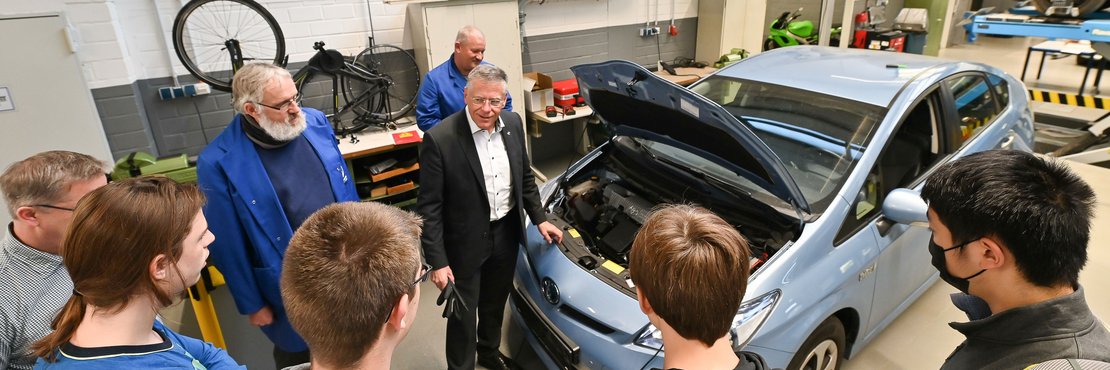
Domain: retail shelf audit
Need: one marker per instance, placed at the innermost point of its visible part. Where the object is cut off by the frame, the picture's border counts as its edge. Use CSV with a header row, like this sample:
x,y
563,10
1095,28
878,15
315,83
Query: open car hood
x,y
633,101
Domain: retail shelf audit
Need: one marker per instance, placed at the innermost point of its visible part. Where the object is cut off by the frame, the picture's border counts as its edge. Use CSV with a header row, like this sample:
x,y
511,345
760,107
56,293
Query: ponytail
x,y
64,325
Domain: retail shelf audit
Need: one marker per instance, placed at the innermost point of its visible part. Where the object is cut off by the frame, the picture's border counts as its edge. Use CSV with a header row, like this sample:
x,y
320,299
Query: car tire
x,y
823,350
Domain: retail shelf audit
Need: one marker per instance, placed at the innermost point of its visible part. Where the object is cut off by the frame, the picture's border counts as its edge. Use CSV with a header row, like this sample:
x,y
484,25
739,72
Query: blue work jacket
x,y
441,95
245,215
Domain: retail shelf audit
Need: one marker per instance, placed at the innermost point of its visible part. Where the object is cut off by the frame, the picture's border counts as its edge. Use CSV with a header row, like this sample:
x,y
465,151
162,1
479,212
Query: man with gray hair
x,y
441,92
40,192
272,167
476,189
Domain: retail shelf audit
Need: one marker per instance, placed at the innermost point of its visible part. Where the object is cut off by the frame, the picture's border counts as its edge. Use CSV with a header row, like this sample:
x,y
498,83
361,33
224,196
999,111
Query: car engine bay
x,y
603,211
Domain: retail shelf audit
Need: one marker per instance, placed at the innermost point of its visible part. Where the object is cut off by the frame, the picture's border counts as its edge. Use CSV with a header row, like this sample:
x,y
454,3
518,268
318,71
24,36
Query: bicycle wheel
x,y
401,82
213,38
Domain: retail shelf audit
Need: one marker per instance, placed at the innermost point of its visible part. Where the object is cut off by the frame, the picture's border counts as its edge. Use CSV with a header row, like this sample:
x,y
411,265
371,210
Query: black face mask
x,y
938,262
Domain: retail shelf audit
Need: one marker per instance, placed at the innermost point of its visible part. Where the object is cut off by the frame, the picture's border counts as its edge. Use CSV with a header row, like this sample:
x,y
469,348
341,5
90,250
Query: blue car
x,y
809,151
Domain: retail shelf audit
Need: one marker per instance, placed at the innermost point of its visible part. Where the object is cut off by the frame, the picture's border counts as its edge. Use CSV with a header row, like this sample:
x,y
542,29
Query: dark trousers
x,y
284,359
485,294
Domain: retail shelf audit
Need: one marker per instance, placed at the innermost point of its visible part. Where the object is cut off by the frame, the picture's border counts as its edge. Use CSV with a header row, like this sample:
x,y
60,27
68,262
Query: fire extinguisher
x,y
863,24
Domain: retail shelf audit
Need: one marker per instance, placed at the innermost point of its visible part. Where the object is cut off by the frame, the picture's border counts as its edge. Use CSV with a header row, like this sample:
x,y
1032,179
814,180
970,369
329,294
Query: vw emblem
x,y
550,291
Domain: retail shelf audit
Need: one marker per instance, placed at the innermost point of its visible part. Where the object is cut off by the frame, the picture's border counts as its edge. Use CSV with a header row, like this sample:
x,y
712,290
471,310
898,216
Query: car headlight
x,y
751,315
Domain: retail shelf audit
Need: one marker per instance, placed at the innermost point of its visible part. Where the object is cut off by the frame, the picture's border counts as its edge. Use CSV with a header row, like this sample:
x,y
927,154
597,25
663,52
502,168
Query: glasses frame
x,y
53,207
482,101
284,105
427,271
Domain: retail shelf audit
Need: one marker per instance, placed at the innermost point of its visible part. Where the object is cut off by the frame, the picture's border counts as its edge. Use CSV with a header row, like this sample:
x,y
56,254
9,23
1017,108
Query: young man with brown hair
x,y
683,260
351,283
41,192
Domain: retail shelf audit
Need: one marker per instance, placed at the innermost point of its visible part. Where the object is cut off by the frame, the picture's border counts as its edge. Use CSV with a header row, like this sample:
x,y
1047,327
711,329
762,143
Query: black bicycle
x,y
214,38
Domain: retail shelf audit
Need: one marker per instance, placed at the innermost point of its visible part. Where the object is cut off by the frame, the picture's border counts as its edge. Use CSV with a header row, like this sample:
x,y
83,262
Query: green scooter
x,y
784,31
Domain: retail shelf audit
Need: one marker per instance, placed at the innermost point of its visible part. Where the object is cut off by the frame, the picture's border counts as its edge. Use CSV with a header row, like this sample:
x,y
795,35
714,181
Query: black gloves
x,y
455,306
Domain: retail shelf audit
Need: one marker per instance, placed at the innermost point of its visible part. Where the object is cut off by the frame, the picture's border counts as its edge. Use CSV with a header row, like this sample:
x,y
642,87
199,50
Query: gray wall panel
x,y
555,54
124,123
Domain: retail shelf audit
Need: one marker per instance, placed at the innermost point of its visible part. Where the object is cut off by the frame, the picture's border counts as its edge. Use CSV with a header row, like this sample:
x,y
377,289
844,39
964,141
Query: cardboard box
x,y
540,93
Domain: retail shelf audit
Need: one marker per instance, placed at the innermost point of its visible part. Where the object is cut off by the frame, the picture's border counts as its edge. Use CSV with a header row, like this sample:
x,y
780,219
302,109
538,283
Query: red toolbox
x,y
887,40
565,92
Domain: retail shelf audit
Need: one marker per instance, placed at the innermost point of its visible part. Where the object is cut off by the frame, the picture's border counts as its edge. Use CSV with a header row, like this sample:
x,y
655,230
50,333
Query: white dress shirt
x,y
495,167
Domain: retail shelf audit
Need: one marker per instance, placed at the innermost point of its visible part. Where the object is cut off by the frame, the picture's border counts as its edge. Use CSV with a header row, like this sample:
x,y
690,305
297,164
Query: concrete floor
x,y
919,339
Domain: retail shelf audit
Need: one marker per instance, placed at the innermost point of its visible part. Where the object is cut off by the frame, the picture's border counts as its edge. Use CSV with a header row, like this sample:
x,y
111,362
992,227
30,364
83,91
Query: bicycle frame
x,y
332,64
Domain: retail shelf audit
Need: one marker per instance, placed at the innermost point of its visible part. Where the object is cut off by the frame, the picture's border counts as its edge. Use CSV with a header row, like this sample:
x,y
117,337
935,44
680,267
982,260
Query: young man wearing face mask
x,y
1010,231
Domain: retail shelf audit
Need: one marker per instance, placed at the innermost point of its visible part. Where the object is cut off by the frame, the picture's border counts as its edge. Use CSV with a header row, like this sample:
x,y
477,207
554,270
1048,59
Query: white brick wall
x,y
556,16
120,41
101,47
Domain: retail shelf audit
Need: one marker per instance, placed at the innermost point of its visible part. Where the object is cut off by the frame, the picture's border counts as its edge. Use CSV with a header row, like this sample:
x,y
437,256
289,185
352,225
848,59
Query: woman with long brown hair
x,y
133,248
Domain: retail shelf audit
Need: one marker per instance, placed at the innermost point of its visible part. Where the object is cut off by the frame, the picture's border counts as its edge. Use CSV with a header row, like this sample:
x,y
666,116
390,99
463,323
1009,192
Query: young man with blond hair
x,y
352,283
682,259
40,192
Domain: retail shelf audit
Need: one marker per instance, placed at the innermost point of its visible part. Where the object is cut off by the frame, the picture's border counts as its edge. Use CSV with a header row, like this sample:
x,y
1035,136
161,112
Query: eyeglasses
x,y
52,207
493,103
958,246
284,105
425,270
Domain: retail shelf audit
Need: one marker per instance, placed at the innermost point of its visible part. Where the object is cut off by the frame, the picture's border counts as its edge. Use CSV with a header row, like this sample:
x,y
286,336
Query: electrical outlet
x,y
649,31
174,92
654,31
202,88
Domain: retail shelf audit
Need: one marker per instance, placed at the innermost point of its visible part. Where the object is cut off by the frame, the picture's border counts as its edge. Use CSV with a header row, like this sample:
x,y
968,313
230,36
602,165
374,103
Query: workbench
x,y
396,185
684,76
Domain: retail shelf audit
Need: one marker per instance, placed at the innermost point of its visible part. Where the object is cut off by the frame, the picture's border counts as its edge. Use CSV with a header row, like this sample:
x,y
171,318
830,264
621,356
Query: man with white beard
x,y
272,167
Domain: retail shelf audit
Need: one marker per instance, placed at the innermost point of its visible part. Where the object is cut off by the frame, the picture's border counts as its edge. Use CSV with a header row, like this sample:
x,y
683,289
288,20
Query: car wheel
x,y
823,350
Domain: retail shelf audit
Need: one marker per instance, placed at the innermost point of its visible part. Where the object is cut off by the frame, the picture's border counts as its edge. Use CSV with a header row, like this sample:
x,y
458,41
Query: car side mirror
x,y
905,206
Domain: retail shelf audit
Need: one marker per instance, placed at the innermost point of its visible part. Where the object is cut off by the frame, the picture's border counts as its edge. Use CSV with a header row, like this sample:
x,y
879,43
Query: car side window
x,y
913,149
1001,90
975,104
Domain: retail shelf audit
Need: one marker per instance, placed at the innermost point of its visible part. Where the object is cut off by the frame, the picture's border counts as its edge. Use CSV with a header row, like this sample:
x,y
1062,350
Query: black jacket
x,y
453,199
1062,327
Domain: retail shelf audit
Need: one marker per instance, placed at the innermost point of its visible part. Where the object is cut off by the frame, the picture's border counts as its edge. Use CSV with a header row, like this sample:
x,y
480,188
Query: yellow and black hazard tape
x,y
1069,99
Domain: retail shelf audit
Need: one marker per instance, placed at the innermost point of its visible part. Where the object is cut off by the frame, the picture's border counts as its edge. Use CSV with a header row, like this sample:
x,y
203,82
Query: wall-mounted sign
x,y
6,102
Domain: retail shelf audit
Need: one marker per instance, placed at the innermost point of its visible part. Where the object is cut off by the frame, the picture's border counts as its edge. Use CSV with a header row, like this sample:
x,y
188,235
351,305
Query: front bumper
x,y
599,347
561,351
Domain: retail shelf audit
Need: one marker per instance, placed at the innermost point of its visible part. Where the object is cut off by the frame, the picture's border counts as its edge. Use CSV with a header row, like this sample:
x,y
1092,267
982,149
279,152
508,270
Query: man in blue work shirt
x,y
272,167
441,93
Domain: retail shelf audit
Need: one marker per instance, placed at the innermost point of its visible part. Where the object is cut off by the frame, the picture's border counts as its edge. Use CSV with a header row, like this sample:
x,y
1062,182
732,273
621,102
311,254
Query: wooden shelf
x,y
401,189
393,173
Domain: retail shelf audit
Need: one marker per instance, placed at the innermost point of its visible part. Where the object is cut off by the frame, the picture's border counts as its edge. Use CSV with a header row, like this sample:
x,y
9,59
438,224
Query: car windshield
x,y
819,137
